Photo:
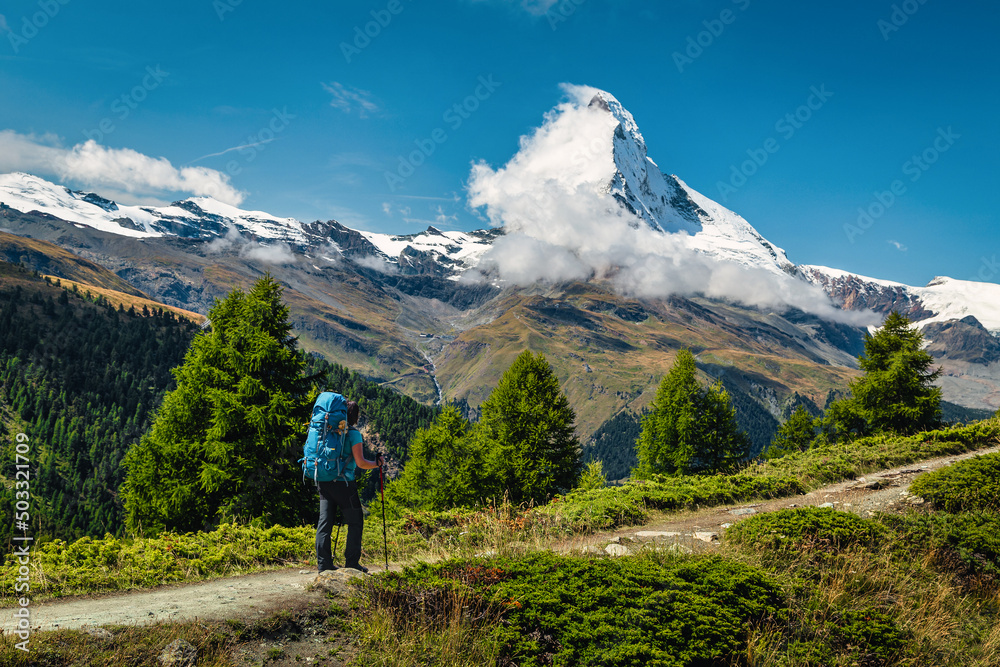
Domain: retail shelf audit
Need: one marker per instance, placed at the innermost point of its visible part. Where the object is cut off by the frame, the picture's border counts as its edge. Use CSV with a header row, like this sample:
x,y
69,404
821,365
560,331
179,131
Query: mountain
x,y
429,314
960,320
668,204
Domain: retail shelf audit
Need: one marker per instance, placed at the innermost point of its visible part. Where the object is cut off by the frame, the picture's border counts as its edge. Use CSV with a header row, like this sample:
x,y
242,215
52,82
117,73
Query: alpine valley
x,y
441,314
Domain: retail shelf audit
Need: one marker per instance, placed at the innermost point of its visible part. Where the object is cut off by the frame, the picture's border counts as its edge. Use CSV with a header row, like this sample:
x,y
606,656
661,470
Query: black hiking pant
x,y
342,496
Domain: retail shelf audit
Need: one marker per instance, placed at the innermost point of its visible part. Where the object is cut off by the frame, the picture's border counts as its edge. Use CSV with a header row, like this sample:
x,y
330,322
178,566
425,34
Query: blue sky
x,y
305,114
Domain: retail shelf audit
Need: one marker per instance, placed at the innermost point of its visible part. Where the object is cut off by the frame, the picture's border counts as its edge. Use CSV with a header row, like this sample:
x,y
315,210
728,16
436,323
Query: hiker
x,y
343,495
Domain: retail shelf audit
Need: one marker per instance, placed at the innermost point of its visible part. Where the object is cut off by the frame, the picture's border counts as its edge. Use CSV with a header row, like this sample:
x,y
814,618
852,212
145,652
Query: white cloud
x,y
533,7
3,24
224,243
443,219
278,253
899,246
560,225
378,264
348,99
122,169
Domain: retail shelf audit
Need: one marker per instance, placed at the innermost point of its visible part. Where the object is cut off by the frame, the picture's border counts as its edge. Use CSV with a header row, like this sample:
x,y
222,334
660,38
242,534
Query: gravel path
x,y
253,595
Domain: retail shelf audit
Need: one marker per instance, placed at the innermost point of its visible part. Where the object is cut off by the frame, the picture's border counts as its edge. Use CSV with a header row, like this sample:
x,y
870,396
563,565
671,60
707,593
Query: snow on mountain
x,y
668,204
460,250
610,160
942,299
30,193
952,299
197,217
447,253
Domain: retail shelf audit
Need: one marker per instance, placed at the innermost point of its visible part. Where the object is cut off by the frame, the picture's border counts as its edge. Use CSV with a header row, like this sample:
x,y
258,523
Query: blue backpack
x,y
325,457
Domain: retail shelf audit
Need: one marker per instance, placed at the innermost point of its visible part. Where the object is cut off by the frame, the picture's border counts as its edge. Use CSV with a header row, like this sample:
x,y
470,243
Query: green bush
x,y
574,611
88,565
807,527
973,484
864,637
827,463
601,509
969,541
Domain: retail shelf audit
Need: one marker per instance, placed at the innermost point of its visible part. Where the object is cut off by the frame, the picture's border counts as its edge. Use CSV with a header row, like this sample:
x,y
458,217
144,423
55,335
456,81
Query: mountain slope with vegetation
x,y
82,378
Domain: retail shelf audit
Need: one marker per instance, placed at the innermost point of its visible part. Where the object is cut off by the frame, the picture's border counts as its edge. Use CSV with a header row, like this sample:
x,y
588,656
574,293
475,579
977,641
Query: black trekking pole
x,y
385,540
335,542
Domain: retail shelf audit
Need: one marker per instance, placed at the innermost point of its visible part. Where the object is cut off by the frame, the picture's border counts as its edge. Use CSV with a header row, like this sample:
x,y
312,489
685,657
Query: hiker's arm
x,y
359,458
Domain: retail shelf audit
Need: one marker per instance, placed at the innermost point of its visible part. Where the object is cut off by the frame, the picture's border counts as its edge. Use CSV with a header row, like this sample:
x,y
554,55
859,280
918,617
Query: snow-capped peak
x,y
669,205
942,299
196,217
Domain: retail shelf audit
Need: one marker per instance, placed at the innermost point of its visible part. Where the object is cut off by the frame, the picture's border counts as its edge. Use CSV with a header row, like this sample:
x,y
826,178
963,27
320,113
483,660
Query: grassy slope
x,y
883,603
343,316
116,297
49,258
606,363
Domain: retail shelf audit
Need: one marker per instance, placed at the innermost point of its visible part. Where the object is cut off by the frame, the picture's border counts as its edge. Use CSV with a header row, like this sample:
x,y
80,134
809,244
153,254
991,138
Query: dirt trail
x,y
881,491
249,596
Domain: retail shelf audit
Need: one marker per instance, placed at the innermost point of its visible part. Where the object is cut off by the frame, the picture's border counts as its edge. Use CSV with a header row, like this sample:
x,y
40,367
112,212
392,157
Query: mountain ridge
x,y
434,309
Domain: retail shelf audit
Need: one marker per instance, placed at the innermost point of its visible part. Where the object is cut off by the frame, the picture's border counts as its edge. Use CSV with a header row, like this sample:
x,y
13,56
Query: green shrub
x,y
973,484
88,565
864,637
575,611
827,463
968,541
601,509
807,527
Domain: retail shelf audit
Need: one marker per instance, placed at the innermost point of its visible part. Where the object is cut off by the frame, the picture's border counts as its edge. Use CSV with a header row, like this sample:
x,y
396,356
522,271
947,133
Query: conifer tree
x,y
795,435
226,440
445,468
527,427
689,429
896,393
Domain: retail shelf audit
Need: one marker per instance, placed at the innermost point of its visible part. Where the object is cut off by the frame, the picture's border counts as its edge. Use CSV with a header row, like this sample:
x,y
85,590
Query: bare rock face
x,y
616,550
858,294
962,340
178,653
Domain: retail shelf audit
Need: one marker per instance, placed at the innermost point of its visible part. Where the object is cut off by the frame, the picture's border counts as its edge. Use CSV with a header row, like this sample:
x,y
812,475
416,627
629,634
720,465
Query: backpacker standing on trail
x,y
334,452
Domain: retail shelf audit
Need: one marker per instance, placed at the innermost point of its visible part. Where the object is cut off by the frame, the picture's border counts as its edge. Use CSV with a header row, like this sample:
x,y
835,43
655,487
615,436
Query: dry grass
x,y
127,301
451,637
943,623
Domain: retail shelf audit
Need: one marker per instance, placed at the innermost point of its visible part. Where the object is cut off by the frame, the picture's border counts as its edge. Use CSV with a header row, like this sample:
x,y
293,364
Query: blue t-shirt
x,y
351,467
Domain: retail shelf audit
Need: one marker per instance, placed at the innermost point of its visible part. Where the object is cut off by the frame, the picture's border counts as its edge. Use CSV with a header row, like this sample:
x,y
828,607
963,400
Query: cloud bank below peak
x,y
123,170
562,224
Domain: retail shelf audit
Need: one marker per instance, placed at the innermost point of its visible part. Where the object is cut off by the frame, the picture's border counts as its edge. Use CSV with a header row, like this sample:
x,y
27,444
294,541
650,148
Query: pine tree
x,y
226,440
445,468
896,393
527,427
689,429
795,435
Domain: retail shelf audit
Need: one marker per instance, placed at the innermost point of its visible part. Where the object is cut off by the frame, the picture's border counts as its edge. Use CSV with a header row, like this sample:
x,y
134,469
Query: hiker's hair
x,y
353,413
